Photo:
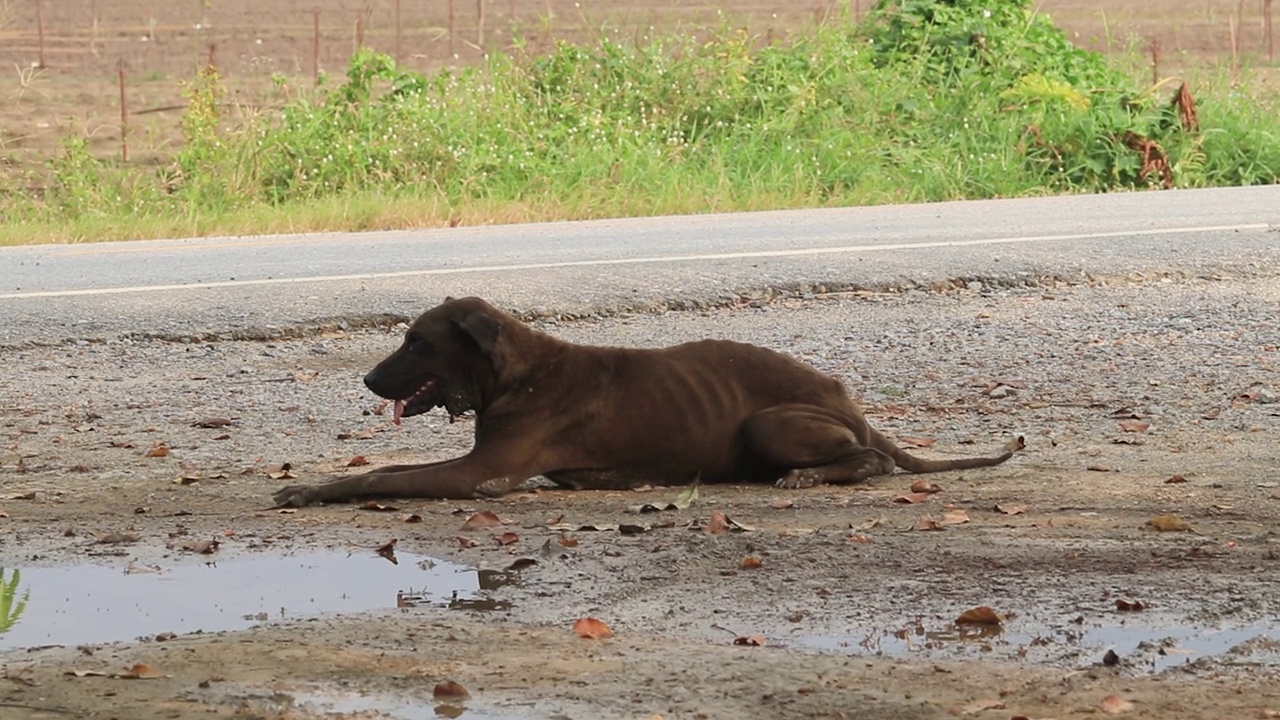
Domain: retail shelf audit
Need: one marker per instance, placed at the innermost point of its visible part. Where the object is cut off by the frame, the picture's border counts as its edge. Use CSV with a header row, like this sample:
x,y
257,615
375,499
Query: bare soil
x,y
1136,400
72,86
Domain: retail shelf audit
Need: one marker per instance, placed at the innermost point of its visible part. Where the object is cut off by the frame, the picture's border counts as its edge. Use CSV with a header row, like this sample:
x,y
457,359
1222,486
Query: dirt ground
x,y
1137,400
72,86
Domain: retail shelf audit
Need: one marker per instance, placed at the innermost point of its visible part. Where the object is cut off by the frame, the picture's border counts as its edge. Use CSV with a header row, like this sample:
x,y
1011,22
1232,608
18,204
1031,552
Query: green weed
x,y
927,100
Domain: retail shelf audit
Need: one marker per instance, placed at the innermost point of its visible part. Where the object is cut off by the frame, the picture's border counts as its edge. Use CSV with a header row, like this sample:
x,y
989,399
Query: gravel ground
x,y
1118,388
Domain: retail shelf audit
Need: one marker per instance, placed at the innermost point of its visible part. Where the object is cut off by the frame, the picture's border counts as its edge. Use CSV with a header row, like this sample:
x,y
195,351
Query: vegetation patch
x,y
926,100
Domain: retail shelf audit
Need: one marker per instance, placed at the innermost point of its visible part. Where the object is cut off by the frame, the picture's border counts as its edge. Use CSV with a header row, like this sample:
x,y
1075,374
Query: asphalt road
x,y
233,286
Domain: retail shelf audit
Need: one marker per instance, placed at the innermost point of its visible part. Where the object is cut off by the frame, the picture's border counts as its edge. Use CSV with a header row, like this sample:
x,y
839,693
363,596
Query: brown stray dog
x,y
615,418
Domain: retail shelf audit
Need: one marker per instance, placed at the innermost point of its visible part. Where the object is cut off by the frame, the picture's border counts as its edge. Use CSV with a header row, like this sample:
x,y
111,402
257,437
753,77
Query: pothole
x,y
88,604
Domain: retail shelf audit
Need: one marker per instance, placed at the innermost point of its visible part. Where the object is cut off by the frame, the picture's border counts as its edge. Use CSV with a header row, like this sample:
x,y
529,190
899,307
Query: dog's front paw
x,y
801,478
297,496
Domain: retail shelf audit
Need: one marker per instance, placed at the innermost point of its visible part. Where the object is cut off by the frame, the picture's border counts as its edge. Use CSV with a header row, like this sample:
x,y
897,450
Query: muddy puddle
x,y
1147,645
88,604
347,704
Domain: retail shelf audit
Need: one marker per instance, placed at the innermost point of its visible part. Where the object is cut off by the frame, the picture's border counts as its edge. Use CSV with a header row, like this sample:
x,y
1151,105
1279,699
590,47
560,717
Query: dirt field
x,y
159,44
1137,401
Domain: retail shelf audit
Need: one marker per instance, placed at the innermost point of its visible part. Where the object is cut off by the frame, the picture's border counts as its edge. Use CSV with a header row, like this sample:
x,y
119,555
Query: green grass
x,y
928,101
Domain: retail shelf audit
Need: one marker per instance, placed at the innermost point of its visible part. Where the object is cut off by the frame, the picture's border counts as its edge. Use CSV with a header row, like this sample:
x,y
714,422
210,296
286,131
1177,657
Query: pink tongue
x,y
397,411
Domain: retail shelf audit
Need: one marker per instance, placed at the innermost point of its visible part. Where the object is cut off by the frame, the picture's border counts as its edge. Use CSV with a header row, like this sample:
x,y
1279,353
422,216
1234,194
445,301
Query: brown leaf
x,y
213,422
1129,605
1098,468
85,673
142,671
591,628
305,376
376,506
387,550
750,562
186,479
955,516
1114,705
160,450
1174,480
506,538
358,461
287,511
568,541
920,442
859,538
1012,508
1168,523
781,504
201,547
284,473
924,486
912,498
381,407
450,690
718,523
466,542
1134,426
482,519
1211,414
414,518
749,640
981,615
927,523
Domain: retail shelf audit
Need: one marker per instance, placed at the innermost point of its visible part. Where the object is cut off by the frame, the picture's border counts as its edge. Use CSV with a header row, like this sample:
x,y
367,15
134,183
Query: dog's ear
x,y
482,328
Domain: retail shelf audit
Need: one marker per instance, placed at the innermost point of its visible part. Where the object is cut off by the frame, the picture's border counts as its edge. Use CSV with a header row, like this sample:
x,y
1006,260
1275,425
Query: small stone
x,y
1266,396
975,285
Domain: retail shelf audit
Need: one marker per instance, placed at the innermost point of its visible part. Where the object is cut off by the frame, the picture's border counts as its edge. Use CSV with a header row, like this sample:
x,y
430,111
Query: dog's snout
x,y
371,380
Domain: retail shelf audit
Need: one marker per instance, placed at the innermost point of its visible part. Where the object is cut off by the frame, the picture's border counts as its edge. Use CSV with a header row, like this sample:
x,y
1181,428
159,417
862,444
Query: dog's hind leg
x,y
812,446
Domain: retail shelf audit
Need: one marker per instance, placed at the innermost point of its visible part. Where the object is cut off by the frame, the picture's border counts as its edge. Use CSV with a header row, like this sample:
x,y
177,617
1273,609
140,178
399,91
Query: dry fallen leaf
x,y
357,461
920,442
1134,426
506,538
750,562
378,507
859,538
1175,480
1129,606
85,673
414,518
1114,704
981,615
927,523
955,516
912,498
781,504
592,628
749,640
381,407
924,486
1012,508
142,671
467,542
482,519
450,690
1168,523
718,523
158,451
568,541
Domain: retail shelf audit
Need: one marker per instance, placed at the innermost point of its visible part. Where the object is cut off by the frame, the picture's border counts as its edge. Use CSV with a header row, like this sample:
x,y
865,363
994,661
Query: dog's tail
x,y
913,464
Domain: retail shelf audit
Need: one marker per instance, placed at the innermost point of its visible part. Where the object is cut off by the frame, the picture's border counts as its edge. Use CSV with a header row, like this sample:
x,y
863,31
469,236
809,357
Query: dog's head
x,y
449,358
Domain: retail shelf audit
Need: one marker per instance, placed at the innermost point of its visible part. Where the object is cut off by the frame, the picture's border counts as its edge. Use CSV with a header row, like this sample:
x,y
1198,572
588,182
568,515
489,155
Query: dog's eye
x,y
413,339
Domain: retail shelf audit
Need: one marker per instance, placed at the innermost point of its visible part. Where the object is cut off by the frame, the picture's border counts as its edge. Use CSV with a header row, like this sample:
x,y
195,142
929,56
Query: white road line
x,y
798,252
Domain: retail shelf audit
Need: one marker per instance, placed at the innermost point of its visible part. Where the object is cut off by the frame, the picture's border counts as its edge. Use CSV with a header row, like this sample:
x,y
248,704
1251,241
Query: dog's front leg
x,y
464,478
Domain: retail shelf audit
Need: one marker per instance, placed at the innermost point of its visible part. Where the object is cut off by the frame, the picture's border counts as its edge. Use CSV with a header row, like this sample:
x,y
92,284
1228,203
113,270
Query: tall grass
x,y
929,100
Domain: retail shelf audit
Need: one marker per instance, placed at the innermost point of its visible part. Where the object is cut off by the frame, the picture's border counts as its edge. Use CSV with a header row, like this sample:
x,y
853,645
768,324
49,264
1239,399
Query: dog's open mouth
x,y
426,398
